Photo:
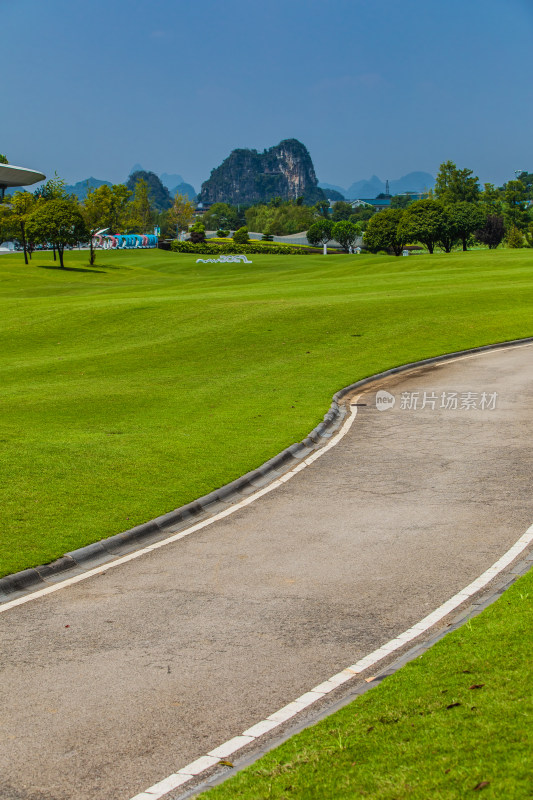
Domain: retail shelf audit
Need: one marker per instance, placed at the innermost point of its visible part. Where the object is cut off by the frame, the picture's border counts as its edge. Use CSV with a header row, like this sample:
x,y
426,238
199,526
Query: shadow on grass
x,y
68,269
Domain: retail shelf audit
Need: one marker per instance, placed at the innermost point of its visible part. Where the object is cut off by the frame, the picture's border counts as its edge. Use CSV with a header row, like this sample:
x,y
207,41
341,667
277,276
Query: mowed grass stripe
x,y
133,388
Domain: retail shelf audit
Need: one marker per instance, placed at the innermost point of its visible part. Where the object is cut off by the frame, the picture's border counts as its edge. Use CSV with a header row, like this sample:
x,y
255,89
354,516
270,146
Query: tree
x,y
346,233
141,215
515,198
491,199
400,201
492,231
53,189
160,198
57,222
96,209
465,219
197,233
424,221
514,238
241,236
527,180
341,211
182,213
453,185
320,233
384,231
119,202
22,205
221,215
362,214
322,208
3,159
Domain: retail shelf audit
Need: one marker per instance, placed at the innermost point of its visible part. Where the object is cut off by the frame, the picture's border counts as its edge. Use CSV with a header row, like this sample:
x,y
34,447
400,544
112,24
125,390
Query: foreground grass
x,y
452,723
129,389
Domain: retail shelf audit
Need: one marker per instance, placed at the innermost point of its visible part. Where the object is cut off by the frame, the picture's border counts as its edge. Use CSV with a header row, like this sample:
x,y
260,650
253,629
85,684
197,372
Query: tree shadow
x,y
68,269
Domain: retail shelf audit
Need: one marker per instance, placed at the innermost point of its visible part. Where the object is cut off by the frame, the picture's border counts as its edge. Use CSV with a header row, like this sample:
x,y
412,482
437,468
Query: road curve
x,y
111,684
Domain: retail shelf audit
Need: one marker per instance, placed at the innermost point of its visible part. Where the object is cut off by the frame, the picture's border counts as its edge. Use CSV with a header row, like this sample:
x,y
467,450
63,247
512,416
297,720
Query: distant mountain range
x,y
412,182
174,183
80,188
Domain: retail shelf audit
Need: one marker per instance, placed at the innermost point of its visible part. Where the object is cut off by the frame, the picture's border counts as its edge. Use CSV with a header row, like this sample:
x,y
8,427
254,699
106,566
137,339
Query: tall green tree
x,y
465,218
53,189
346,233
3,159
160,198
341,210
453,185
491,199
22,205
181,214
424,221
320,233
322,209
515,199
384,231
96,210
57,222
141,215
221,215
400,201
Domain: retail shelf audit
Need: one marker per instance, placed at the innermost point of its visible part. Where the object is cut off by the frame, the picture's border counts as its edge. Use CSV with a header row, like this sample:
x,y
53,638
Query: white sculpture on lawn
x,y
224,260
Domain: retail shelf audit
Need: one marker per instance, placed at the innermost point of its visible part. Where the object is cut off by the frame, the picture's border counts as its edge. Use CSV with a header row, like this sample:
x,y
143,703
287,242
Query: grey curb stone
x,y
160,527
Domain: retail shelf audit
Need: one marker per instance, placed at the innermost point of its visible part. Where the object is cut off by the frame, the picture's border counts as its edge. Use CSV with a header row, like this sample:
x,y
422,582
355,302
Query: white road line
x,y
276,719
198,766
341,433
345,427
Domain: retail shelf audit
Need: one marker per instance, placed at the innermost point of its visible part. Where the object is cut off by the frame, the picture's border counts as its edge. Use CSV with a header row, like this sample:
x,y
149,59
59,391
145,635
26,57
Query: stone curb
x,y
156,529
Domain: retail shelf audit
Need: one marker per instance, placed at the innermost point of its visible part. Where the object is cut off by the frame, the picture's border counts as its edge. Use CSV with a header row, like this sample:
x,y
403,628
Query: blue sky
x,y
386,87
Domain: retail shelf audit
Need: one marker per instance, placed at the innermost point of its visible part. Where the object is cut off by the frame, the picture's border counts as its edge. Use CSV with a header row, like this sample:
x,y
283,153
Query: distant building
x,y
379,204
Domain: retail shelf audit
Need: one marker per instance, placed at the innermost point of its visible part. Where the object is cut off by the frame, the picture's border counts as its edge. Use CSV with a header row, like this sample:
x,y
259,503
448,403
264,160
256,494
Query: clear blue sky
x,y
89,87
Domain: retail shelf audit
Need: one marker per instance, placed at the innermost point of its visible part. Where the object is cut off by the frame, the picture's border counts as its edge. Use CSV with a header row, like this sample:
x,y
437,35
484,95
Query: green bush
x,y
197,233
241,236
230,248
222,234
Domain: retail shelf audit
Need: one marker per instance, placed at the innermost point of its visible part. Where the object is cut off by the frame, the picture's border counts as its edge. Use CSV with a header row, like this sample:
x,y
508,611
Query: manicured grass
x,y
452,724
129,389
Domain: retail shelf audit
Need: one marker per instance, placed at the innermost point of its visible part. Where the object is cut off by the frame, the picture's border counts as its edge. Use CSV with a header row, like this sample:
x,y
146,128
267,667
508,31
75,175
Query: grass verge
x,y
129,389
451,724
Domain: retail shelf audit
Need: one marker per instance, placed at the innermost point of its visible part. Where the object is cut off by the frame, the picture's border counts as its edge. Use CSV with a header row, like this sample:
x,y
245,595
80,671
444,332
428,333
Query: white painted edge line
x,y
276,719
335,439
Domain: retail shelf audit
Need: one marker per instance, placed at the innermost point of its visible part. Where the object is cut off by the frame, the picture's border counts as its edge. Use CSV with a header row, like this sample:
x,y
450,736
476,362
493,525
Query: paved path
x,y
112,684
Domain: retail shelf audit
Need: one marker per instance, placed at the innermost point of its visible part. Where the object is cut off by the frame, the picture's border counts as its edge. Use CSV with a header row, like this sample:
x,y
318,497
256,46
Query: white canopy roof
x,y
18,176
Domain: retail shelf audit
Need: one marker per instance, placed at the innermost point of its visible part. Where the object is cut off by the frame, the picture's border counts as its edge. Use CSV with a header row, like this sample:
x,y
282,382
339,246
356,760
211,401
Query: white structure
x,y
11,176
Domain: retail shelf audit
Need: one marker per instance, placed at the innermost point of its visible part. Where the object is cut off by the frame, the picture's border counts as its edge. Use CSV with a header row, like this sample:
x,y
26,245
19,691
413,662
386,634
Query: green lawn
x,y
452,724
134,387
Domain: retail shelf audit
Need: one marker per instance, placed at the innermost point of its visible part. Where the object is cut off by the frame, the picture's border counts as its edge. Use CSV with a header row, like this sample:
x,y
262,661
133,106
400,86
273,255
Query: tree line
x,y
51,217
458,213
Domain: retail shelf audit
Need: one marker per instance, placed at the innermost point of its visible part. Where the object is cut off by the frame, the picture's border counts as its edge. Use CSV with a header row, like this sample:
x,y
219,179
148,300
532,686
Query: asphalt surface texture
x,y
110,685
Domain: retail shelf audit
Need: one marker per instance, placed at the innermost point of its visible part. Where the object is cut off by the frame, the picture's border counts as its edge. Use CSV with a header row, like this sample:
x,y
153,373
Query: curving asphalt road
x,y
109,685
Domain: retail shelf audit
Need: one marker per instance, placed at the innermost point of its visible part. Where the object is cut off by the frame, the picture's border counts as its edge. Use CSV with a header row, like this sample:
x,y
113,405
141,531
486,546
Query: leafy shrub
x,y
241,236
222,234
197,233
231,248
514,238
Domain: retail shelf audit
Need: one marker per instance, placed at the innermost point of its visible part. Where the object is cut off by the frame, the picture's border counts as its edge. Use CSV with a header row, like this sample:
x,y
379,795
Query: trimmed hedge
x,y
205,248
